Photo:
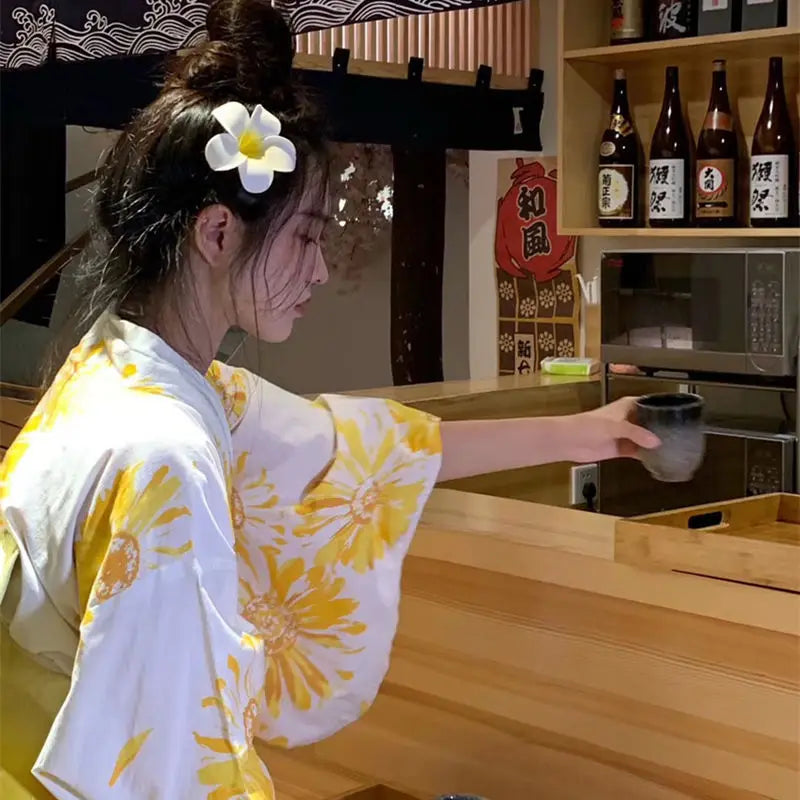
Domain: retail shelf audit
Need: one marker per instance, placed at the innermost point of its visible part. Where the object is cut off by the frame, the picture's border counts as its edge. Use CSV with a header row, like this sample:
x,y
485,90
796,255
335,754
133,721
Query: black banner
x,y
80,30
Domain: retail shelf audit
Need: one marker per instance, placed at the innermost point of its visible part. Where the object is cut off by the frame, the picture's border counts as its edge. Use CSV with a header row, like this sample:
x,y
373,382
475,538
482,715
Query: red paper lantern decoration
x,y
526,239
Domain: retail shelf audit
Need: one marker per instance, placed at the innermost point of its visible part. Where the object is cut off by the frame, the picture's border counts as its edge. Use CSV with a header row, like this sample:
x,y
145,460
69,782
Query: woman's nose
x,y
321,273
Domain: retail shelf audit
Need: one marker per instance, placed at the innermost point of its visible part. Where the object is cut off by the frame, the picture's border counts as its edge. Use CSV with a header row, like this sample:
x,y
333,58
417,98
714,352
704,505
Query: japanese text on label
x,y
531,205
669,17
665,181
769,187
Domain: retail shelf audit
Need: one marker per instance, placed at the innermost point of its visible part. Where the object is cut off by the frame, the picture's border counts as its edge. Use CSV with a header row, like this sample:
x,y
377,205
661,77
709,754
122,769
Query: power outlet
x,y
579,477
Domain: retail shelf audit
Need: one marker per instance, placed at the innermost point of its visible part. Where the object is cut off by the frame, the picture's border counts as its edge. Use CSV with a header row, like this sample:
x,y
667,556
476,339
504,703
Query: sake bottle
x,y
627,21
715,172
618,178
773,159
669,173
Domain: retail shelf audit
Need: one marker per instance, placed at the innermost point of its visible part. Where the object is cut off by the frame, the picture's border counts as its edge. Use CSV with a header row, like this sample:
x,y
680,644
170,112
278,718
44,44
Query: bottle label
x,y
607,149
716,187
621,125
715,5
769,187
665,188
615,191
626,19
673,18
718,120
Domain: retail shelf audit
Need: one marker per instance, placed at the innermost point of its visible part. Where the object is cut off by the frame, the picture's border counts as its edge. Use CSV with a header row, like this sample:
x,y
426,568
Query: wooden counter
x,y
528,664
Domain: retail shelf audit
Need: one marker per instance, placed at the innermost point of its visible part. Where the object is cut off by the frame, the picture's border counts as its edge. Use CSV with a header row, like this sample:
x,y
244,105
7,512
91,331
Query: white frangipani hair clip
x,y
252,144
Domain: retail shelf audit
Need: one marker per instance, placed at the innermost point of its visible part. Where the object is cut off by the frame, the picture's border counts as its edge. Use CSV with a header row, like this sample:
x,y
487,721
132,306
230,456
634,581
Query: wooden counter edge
x,y
575,549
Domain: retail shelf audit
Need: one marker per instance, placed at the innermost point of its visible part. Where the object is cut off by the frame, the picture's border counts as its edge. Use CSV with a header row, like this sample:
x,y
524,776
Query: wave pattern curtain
x,y
79,30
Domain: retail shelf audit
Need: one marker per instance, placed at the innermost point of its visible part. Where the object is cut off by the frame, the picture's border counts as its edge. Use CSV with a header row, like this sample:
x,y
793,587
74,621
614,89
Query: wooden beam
x,y
33,156
417,264
80,181
30,287
381,69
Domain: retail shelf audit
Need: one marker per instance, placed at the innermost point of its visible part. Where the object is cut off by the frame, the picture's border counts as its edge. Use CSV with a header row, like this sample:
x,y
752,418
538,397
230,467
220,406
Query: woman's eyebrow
x,y
321,216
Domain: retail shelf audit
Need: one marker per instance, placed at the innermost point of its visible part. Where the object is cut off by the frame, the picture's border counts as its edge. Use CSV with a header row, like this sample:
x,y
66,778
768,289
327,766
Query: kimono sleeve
x,y
167,682
328,496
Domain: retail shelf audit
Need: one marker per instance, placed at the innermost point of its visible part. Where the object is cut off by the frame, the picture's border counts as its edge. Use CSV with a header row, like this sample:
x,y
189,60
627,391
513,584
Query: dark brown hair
x,y
155,181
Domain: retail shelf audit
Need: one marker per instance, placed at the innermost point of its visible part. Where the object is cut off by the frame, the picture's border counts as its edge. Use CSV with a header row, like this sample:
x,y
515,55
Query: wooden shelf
x,y
681,233
746,44
585,86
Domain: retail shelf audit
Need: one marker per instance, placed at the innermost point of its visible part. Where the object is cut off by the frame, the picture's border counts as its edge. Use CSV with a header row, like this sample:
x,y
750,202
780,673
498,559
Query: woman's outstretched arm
x,y
475,447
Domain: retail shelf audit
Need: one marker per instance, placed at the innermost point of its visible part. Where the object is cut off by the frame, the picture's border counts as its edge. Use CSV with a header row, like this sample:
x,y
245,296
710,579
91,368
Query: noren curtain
x,y
79,30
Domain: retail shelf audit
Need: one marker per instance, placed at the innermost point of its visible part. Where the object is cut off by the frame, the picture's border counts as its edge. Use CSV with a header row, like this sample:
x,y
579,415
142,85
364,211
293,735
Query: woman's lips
x,y
300,308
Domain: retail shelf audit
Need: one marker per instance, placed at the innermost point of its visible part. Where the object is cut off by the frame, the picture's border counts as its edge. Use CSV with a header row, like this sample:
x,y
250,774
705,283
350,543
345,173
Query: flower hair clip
x,y
252,144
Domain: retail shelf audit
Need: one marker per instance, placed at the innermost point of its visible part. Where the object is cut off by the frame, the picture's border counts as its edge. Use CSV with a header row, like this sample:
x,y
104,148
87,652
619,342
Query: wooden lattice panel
x,y
504,37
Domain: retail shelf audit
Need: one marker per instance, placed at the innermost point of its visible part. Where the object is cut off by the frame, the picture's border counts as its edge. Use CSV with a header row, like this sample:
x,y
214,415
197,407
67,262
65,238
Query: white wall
x,y
483,209
343,341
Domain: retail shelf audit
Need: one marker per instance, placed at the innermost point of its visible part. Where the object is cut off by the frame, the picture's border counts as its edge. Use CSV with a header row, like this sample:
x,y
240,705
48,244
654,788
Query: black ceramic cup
x,y
677,420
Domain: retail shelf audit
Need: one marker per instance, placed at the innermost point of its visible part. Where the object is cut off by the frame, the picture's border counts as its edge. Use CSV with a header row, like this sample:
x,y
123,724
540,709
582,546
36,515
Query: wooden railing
x,y
505,37
41,277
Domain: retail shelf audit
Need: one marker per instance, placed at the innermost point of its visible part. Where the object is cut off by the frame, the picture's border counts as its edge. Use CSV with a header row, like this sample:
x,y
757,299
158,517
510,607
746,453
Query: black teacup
x,y
677,420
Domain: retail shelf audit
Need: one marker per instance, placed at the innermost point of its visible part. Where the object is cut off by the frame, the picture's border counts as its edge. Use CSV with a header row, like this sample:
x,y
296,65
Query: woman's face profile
x,y
277,290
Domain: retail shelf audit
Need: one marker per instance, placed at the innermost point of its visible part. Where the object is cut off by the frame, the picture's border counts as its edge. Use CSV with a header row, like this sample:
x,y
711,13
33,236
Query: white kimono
x,y
210,560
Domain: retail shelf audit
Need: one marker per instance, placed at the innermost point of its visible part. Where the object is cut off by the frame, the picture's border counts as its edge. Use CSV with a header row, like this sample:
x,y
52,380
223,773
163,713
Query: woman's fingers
x,y
627,405
641,437
627,449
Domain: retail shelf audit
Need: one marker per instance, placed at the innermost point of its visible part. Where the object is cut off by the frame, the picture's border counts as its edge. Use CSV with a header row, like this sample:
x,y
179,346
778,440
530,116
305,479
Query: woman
x,y
208,558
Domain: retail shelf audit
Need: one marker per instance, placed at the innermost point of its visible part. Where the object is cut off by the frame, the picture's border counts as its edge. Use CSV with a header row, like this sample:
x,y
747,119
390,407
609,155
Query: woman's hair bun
x,y
248,55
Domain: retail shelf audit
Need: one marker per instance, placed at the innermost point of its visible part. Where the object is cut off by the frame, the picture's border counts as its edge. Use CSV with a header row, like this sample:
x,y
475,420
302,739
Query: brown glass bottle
x,y
669,174
773,161
619,179
627,21
715,172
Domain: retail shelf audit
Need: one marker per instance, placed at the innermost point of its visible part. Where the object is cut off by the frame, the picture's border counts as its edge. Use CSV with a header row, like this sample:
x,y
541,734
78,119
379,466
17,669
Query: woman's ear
x,y
217,235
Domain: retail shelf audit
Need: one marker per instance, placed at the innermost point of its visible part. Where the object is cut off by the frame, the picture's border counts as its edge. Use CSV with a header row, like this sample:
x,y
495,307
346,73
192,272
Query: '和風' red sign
x,y
526,238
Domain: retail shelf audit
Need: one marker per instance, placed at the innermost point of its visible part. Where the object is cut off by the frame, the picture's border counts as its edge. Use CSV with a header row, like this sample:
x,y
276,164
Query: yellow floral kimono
x,y
208,560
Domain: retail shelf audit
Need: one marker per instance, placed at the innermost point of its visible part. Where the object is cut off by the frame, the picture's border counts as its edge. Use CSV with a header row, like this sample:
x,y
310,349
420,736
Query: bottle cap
x,y
619,74
719,65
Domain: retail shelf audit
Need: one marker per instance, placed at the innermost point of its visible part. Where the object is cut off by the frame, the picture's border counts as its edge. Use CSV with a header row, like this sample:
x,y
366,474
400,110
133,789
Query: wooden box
x,y
719,17
758,14
754,541
378,793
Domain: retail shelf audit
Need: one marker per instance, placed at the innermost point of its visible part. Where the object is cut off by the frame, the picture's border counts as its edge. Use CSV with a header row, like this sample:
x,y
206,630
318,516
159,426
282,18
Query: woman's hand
x,y
481,446
606,432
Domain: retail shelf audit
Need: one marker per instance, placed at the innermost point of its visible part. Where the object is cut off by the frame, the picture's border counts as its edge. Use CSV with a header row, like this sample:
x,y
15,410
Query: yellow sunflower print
x,y
231,766
232,392
250,497
365,502
422,432
128,754
84,360
62,399
299,613
15,453
108,549
54,405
